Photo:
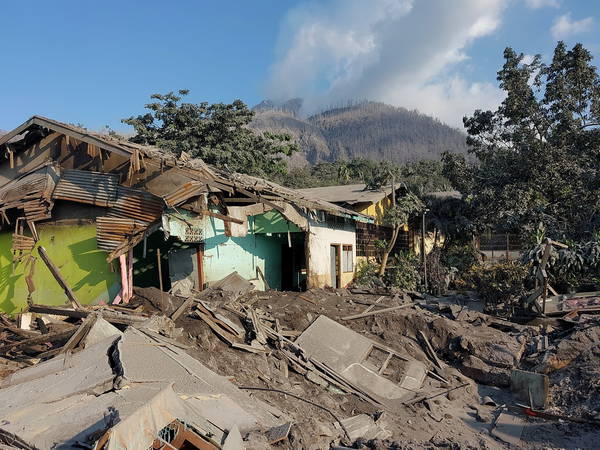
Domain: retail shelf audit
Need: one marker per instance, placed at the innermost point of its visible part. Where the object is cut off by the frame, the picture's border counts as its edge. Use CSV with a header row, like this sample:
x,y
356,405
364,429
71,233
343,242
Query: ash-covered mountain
x,y
367,129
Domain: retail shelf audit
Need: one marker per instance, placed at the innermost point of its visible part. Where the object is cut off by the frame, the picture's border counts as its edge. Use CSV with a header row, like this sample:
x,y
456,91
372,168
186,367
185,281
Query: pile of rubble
x,y
230,368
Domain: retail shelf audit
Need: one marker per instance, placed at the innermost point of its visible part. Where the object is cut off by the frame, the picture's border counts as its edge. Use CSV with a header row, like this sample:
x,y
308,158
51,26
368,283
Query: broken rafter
x,y
223,217
50,337
372,313
260,199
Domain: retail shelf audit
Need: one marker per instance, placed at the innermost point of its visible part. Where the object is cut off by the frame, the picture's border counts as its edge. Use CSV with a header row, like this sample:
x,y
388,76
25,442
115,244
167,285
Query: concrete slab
x,y
220,409
145,361
136,415
508,428
86,371
234,440
100,331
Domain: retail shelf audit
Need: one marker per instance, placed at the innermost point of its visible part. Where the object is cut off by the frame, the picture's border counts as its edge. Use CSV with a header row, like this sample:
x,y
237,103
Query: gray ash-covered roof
x,y
350,194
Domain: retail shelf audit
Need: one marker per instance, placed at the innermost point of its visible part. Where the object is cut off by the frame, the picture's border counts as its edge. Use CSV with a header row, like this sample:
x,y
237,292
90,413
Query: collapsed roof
x,y
51,161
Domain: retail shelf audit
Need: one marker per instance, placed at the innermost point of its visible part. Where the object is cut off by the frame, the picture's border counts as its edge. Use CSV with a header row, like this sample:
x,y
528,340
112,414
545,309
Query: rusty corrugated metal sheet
x,y
36,184
112,231
37,209
82,186
185,192
135,204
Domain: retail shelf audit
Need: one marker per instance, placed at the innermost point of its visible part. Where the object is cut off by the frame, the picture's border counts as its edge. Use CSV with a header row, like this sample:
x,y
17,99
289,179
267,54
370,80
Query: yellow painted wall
x,y
376,210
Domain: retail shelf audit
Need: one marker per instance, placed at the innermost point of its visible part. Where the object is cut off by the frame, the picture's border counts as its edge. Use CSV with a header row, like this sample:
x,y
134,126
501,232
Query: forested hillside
x,y
368,130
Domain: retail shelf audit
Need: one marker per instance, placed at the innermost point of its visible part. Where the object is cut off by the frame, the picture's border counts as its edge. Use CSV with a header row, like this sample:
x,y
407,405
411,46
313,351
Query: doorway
x,y
335,259
293,263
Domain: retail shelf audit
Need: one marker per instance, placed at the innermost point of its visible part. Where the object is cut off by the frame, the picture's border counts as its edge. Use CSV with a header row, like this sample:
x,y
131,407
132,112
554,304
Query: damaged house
x,y
88,216
372,202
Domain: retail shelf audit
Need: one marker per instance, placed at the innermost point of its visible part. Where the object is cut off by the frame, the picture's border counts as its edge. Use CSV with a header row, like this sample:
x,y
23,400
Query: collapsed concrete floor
x,y
464,401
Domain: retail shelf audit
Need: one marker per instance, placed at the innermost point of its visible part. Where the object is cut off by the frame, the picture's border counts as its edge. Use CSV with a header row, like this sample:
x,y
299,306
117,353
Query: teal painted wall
x,y
261,247
74,251
223,255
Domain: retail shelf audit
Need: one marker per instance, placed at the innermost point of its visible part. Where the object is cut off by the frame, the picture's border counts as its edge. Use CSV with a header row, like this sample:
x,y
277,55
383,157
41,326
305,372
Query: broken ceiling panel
x,y
82,186
381,372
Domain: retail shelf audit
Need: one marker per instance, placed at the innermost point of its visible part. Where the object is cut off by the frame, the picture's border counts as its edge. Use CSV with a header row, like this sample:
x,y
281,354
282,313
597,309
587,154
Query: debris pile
x,y
231,367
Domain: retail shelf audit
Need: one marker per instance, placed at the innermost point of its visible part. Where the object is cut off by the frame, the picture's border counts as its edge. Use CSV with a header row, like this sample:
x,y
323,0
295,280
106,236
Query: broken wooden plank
x,y
182,308
80,334
225,335
262,277
306,299
429,351
109,316
260,335
50,337
370,308
58,277
260,199
372,313
249,348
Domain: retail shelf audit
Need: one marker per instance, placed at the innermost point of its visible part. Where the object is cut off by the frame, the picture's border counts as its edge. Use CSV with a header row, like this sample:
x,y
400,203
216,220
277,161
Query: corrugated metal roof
x,y
185,192
112,231
350,194
81,186
136,204
33,185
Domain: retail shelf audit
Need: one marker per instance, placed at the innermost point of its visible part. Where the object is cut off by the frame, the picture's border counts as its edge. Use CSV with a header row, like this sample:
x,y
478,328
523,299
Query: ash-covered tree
x,y
539,152
217,133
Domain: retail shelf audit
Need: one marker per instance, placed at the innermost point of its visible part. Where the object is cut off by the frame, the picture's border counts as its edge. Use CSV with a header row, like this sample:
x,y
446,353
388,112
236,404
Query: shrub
x,y
498,285
461,256
403,272
569,269
366,274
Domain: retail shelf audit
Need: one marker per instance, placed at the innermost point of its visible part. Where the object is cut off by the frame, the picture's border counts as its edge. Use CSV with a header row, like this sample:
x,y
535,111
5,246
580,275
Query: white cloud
x,y
564,26
537,4
403,52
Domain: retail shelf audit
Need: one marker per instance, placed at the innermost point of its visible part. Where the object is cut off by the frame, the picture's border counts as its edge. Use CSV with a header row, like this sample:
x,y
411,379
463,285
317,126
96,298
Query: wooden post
x,y
58,277
507,246
160,280
129,275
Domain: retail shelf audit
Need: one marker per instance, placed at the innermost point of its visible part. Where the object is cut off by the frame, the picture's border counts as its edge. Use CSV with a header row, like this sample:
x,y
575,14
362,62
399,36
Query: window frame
x,y
347,264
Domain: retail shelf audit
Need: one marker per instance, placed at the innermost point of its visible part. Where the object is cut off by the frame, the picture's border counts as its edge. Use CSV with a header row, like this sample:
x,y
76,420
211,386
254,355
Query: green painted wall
x,y
73,249
272,222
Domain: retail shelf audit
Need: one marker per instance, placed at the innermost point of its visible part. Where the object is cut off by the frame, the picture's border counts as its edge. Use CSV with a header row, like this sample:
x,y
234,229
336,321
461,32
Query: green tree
x,y
395,217
217,133
539,152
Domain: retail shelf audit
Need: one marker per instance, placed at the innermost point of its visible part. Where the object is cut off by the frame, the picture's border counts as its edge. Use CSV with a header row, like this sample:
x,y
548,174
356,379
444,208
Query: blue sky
x,y
97,62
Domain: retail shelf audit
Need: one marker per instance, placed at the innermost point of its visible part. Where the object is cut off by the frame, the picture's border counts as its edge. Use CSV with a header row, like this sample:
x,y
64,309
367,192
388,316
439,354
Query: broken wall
x,y
322,234
73,249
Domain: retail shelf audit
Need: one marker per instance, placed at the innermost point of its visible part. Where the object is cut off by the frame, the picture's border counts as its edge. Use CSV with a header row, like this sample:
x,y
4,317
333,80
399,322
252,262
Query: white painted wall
x,y
321,234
